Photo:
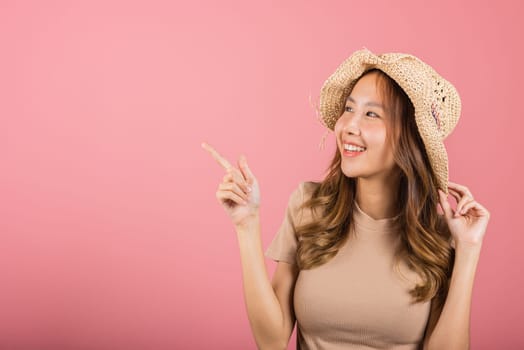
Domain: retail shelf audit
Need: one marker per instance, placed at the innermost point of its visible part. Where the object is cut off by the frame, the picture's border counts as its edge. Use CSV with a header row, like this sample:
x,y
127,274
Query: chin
x,y
351,173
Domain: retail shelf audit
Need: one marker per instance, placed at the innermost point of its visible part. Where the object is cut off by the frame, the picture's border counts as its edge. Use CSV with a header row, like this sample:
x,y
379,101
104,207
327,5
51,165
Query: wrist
x,y
249,223
469,247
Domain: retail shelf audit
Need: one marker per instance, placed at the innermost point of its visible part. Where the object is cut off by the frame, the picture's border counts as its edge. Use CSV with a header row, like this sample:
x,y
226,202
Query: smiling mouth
x,y
353,148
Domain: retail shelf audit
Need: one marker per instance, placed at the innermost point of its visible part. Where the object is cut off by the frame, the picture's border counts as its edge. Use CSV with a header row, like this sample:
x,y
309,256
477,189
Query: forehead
x,y
366,91
367,84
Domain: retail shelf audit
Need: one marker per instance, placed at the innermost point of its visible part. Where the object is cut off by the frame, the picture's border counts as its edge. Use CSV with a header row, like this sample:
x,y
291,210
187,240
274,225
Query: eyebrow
x,y
371,103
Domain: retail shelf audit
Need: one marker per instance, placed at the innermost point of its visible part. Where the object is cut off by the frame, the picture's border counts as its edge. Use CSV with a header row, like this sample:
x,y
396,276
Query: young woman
x,y
365,259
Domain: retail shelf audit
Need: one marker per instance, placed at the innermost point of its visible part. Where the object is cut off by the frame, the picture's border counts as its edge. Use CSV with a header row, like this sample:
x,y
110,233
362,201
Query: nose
x,y
351,124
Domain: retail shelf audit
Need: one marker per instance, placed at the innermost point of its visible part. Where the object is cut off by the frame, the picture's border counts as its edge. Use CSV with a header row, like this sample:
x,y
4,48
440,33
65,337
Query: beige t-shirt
x,y
356,300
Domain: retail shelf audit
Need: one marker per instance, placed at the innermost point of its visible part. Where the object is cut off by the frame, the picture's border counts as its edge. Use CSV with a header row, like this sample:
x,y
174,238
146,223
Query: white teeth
x,y
354,148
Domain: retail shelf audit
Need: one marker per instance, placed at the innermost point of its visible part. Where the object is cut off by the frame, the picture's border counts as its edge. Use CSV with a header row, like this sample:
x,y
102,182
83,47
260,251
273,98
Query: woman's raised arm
x,y
269,304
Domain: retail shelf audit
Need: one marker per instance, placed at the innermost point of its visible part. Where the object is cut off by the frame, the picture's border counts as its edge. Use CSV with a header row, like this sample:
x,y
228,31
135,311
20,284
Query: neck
x,y
378,199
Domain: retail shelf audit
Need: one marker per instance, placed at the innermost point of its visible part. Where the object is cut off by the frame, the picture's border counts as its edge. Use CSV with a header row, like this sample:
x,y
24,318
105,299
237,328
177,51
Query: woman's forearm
x,y
263,308
452,329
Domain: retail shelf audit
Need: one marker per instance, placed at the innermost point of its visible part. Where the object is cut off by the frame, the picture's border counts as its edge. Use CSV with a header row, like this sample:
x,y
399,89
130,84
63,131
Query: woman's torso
x,y
357,298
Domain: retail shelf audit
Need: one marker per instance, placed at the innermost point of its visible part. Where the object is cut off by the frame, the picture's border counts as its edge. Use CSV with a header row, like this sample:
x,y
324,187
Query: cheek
x,y
338,126
338,130
376,135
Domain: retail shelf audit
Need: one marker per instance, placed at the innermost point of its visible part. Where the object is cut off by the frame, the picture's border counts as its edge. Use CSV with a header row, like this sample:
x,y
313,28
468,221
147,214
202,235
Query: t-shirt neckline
x,y
366,221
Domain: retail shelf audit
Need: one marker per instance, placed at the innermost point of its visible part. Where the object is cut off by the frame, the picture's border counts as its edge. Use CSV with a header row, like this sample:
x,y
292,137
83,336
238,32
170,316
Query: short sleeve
x,y
284,244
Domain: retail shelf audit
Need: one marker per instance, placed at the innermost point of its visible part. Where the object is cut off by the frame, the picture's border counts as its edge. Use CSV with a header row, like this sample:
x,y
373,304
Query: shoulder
x,y
300,195
303,192
308,187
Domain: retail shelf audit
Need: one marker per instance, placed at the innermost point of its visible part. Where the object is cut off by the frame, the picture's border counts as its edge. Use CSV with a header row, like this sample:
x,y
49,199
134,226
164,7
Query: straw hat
x,y
437,102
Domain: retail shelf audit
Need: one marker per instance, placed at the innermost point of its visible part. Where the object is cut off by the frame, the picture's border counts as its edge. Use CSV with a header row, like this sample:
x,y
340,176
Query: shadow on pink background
x,y
110,233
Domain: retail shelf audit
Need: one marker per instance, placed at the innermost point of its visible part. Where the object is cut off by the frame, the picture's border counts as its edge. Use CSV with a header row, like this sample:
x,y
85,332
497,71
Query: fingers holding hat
x,y
462,195
469,221
460,188
476,209
459,198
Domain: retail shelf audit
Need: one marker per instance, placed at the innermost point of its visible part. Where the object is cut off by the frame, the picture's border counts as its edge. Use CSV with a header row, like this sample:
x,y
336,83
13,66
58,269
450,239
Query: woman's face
x,y
364,123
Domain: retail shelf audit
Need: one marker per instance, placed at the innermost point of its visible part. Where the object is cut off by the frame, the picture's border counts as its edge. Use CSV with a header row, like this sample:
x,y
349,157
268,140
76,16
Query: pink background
x,y
110,233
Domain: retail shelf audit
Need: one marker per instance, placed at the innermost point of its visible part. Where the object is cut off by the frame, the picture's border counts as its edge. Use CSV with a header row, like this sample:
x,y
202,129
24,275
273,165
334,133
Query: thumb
x,y
446,208
248,175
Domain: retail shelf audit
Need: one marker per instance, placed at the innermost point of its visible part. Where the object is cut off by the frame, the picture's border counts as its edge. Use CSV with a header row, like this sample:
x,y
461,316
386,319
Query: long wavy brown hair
x,y
424,234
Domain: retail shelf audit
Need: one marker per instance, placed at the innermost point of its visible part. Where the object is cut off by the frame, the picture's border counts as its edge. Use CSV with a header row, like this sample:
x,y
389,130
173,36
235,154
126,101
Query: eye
x,y
371,114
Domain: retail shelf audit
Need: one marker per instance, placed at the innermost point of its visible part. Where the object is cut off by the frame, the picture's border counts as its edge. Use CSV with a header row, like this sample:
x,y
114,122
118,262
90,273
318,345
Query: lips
x,y
352,150
352,154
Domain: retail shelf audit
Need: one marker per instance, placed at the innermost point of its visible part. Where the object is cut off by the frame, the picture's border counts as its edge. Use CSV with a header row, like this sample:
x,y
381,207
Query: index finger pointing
x,y
220,160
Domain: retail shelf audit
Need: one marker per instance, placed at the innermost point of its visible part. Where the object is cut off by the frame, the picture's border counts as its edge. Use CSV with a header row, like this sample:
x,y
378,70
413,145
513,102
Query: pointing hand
x,y
238,192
